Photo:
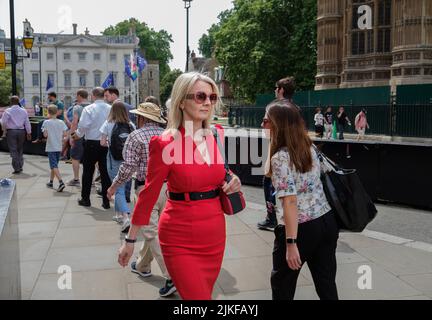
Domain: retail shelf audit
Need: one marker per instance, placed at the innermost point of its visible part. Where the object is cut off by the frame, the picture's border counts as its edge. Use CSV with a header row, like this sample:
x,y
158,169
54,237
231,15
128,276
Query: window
x,y
370,41
383,40
151,75
83,80
51,77
115,78
35,100
97,79
66,56
35,55
358,43
82,56
127,81
67,80
113,57
50,56
35,79
96,56
67,102
384,13
126,57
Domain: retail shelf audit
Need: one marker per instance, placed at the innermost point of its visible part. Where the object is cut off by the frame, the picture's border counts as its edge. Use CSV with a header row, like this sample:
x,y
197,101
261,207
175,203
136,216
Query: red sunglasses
x,y
201,97
265,121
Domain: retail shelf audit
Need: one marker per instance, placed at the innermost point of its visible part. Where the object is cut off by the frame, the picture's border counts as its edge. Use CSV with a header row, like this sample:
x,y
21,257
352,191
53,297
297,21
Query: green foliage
x,y
5,86
207,42
262,41
155,44
167,84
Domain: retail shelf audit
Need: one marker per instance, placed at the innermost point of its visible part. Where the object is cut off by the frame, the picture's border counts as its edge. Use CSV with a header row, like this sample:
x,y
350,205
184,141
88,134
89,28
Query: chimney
x,y
87,32
74,29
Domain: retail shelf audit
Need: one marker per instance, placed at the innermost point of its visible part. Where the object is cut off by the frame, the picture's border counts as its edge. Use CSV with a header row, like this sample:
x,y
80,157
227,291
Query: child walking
x,y
54,130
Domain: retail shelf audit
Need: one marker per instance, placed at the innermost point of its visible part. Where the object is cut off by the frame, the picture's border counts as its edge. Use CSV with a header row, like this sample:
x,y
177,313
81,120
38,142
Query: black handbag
x,y
352,206
231,203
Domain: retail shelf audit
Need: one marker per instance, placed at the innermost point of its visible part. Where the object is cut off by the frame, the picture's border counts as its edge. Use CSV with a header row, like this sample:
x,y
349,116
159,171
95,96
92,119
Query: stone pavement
x,y
55,231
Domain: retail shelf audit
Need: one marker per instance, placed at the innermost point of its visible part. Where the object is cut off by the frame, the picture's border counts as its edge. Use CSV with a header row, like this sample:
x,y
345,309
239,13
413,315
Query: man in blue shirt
x,y
52,98
112,94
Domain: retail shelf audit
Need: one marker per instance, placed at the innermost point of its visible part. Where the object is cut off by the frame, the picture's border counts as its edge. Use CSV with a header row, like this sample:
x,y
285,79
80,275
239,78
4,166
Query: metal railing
x,y
390,120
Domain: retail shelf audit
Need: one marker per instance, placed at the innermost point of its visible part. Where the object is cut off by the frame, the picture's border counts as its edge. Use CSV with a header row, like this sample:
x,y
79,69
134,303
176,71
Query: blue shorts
x,y
54,158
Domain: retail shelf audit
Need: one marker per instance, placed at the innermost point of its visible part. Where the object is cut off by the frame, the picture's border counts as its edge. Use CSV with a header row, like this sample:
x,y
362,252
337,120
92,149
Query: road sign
x,y
2,57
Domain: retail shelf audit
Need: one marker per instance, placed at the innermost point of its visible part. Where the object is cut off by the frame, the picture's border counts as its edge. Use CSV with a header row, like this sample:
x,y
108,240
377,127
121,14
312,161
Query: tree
x,y
5,86
263,41
167,84
207,42
155,44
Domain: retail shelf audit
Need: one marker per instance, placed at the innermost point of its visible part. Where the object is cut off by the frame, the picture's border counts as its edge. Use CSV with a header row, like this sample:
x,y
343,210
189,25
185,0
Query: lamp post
x,y
13,47
187,5
27,42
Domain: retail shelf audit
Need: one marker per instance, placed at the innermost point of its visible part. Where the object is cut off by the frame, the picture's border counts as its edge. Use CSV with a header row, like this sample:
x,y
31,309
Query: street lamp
x,y
187,5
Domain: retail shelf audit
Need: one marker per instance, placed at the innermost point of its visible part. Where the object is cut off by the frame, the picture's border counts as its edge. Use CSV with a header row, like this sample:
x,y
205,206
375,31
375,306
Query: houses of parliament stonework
x,y
395,48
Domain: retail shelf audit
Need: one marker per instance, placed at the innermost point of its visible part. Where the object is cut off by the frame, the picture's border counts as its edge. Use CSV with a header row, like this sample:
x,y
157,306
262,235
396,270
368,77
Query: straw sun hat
x,y
150,111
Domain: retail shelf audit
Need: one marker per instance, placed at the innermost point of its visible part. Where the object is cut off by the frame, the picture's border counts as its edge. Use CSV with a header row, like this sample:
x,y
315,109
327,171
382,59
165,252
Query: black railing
x,y
391,120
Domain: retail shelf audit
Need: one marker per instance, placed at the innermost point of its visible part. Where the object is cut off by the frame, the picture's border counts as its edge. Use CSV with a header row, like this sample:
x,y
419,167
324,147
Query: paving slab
x,y
34,249
91,285
82,258
400,260
100,235
37,230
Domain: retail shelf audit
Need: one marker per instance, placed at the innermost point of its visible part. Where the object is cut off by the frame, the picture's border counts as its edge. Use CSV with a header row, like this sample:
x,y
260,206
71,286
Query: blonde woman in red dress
x,y
192,226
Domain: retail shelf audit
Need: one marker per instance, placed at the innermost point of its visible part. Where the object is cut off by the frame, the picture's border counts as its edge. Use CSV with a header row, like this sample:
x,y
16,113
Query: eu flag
x,y
109,81
49,84
141,62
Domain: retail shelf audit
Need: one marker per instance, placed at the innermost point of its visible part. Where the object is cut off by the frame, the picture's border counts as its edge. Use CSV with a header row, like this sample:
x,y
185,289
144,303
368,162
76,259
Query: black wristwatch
x,y
291,241
127,240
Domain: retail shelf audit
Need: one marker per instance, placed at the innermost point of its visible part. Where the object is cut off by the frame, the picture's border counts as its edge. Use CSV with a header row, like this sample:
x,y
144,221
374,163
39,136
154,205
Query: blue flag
x,y
49,84
22,102
141,62
109,81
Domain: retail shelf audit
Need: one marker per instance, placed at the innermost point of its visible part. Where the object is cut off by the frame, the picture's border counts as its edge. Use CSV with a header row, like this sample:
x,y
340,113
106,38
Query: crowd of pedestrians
x,y
178,173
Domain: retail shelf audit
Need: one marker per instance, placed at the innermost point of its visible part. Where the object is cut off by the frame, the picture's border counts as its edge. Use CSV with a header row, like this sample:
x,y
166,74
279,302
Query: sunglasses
x,y
201,97
265,121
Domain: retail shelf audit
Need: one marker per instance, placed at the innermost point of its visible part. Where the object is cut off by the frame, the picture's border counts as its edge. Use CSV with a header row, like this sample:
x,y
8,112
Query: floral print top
x,y
311,200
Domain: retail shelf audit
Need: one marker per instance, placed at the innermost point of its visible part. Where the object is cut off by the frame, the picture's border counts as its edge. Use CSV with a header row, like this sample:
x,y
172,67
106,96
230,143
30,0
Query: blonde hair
x,y
181,88
118,113
52,110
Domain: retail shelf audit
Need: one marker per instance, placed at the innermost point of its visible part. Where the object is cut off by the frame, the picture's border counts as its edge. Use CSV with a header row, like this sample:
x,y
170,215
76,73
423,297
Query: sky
x,y
50,16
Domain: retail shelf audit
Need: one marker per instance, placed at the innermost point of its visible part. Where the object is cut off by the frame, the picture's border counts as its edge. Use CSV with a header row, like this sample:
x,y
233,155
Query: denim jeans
x,y
120,203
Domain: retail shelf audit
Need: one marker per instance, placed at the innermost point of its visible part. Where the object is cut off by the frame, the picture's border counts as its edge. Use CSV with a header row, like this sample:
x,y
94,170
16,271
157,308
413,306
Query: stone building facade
x,y
395,49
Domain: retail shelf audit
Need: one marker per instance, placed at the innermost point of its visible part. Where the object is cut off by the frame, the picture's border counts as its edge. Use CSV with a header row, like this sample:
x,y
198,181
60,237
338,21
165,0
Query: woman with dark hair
x,y
310,232
114,133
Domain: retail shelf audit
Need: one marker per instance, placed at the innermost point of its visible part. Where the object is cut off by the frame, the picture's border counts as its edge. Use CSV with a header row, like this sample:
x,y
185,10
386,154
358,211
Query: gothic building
x,y
364,43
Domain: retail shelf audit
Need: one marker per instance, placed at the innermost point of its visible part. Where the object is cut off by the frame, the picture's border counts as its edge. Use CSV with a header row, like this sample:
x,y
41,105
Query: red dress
x,y
191,233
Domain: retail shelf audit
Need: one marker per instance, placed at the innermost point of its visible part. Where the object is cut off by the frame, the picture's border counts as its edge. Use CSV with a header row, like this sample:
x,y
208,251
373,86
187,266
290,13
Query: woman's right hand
x,y
293,257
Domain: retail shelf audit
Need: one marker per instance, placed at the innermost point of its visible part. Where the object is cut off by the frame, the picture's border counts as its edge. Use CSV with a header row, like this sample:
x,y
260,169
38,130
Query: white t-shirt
x,y
319,119
108,127
55,129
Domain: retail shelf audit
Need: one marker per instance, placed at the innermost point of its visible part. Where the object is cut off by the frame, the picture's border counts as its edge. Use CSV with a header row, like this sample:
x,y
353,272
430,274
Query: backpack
x,y
119,135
